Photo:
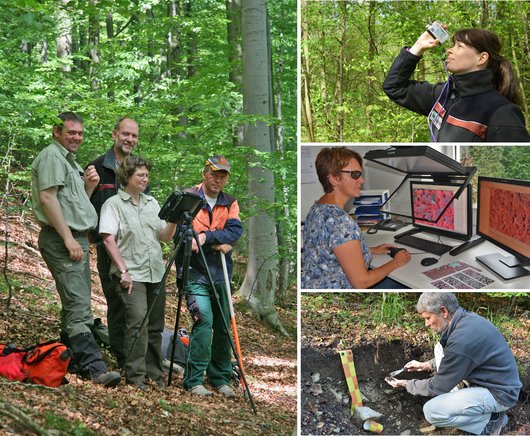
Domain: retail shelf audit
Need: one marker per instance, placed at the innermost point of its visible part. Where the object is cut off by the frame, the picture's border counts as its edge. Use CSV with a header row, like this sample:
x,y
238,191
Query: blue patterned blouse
x,y
327,226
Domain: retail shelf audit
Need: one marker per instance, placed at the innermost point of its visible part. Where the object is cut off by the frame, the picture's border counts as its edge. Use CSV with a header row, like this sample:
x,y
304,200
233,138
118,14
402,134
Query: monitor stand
x,y
506,267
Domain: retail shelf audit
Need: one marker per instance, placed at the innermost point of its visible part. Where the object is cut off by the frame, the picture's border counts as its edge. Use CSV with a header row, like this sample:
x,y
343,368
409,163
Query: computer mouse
x,y
428,261
394,251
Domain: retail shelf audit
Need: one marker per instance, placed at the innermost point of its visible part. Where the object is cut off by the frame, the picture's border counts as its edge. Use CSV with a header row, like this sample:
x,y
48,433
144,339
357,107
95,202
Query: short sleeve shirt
x,y
137,229
328,226
55,166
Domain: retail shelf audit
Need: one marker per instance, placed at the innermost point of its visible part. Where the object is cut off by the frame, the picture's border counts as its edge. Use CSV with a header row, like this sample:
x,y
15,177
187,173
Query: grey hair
x,y
433,301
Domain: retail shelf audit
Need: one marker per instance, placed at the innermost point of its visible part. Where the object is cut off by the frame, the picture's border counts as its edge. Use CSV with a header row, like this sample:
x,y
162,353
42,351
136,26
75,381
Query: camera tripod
x,y
186,236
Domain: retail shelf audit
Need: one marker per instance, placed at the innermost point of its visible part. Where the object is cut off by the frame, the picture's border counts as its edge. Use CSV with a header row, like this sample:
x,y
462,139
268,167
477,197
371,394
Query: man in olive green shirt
x,y
60,200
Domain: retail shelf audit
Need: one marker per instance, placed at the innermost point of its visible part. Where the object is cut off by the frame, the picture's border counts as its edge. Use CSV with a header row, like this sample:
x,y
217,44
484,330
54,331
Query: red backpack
x,y
11,363
43,364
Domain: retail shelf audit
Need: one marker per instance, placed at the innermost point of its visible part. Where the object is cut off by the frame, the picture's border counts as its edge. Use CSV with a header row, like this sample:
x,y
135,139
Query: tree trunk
x,y
44,52
259,286
284,241
307,114
192,43
484,19
109,26
64,38
339,85
93,43
235,56
172,39
26,49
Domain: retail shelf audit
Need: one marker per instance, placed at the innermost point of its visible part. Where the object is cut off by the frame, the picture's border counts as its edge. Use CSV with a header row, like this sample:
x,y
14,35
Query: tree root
x,y
21,418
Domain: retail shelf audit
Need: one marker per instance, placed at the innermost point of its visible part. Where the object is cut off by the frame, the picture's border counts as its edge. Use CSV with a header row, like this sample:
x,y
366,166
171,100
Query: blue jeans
x,y
467,409
388,283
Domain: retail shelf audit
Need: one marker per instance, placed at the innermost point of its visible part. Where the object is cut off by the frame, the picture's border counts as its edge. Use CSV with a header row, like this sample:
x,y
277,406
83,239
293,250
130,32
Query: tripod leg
x,y
186,239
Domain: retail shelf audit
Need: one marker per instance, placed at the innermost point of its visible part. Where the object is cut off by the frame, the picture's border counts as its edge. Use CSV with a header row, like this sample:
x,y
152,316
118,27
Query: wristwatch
x,y
123,271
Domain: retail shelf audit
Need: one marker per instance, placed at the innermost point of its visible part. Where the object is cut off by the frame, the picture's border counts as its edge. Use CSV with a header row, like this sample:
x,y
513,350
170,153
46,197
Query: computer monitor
x,y
429,199
503,218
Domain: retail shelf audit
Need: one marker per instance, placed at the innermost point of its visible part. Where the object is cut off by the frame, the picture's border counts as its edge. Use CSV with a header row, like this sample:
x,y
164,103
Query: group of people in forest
x,y
108,203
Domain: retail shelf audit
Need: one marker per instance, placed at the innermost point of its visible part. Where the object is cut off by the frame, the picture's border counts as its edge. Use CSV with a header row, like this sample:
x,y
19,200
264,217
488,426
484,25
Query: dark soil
x,y
329,411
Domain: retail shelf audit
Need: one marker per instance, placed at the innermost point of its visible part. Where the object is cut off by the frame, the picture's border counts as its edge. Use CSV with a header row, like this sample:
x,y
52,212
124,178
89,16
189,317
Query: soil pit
x,y
326,402
328,412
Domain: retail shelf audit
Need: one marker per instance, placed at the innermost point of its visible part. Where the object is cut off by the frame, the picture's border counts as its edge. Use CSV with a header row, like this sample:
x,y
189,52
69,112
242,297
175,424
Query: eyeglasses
x,y
353,174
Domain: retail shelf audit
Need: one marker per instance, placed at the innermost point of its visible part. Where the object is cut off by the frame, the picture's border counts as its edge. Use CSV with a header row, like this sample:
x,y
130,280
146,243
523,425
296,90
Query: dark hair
x,y
485,41
128,167
67,116
331,160
117,125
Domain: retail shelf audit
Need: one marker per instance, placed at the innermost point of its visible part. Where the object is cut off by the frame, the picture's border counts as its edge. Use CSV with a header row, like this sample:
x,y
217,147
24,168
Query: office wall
x,y
375,176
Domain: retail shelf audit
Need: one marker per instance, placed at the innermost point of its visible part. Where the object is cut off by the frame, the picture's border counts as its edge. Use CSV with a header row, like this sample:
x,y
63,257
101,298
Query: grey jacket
x,y
476,351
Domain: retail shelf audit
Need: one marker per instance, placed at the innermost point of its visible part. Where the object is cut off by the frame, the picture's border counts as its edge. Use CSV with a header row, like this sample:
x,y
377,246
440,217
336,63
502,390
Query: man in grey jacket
x,y
472,350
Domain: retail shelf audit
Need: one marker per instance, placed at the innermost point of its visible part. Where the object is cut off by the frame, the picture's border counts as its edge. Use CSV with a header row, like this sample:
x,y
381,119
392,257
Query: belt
x,y
75,233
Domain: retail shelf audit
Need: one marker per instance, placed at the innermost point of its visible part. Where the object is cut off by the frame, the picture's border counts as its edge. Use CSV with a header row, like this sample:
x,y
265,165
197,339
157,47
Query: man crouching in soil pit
x,y
475,377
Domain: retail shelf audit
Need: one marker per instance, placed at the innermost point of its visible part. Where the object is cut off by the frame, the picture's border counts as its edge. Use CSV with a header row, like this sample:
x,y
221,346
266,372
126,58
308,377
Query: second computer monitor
x,y
504,219
429,199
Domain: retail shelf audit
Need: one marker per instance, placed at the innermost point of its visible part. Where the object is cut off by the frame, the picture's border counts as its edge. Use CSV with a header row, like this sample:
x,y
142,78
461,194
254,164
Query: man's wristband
x,y
123,271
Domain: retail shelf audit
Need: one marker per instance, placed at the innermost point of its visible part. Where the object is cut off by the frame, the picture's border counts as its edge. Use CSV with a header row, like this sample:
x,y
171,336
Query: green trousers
x,y
72,280
115,307
209,348
145,356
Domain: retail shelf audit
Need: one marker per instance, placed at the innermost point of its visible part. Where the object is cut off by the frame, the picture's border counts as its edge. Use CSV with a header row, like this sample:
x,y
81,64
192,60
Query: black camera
x,y
178,205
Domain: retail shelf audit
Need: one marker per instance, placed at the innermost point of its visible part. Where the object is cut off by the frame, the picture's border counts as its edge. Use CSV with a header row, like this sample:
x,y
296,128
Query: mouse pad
x,y
458,275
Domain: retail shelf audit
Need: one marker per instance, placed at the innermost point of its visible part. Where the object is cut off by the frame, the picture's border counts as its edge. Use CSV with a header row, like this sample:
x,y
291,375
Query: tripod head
x,y
181,206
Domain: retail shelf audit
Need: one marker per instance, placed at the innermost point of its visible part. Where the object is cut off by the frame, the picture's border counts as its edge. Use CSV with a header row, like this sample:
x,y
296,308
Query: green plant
x,y
60,423
391,309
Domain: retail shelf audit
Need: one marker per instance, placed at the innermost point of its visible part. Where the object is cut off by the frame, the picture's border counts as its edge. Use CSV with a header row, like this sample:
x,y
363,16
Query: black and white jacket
x,y
467,108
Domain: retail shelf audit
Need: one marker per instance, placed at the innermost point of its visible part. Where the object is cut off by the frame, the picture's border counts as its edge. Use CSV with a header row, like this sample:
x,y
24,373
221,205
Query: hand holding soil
x,y
395,383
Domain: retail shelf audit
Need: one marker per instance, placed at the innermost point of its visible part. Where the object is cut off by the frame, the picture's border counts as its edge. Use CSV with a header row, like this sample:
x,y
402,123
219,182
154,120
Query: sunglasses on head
x,y
353,174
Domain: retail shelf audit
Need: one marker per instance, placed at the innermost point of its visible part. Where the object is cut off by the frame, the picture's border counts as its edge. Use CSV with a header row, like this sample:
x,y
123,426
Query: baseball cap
x,y
218,162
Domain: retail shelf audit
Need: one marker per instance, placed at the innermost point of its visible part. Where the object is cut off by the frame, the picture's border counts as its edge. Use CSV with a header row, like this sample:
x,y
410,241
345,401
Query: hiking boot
x,y
226,390
496,423
139,385
108,379
201,391
160,382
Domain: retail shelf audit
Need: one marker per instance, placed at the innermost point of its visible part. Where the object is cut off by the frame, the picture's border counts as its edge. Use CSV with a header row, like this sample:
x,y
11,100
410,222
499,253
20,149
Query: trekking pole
x,y
232,317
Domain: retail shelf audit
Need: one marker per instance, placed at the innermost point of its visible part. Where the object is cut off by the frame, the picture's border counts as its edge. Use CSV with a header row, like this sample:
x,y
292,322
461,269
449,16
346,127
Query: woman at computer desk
x,y
335,254
479,101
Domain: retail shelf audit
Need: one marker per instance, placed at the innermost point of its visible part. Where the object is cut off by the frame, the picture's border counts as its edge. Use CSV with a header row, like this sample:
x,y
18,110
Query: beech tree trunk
x,y
259,285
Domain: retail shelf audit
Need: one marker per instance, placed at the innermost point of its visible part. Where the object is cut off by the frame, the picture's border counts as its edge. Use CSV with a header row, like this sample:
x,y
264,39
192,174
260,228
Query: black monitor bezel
x,y
499,244
437,230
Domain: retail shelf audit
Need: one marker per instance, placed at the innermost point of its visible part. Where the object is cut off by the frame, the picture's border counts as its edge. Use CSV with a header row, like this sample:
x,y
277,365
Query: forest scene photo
x,y
200,79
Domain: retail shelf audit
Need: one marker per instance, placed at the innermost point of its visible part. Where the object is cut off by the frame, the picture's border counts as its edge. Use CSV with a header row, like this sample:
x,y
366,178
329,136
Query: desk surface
x,y
411,274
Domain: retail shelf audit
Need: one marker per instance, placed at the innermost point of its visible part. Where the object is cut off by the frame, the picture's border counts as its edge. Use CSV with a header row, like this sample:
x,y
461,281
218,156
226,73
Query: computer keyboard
x,y
436,248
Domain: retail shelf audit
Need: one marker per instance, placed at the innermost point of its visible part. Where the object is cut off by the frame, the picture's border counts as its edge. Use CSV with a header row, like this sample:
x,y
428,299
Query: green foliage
x,y
391,308
351,45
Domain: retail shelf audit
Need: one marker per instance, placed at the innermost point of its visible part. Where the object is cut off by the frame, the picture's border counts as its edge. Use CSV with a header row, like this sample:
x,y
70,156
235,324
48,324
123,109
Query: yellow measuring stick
x,y
346,358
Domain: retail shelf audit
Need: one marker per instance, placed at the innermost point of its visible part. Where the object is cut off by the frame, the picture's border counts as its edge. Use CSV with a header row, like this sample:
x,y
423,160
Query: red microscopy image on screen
x,y
510,214
428,203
